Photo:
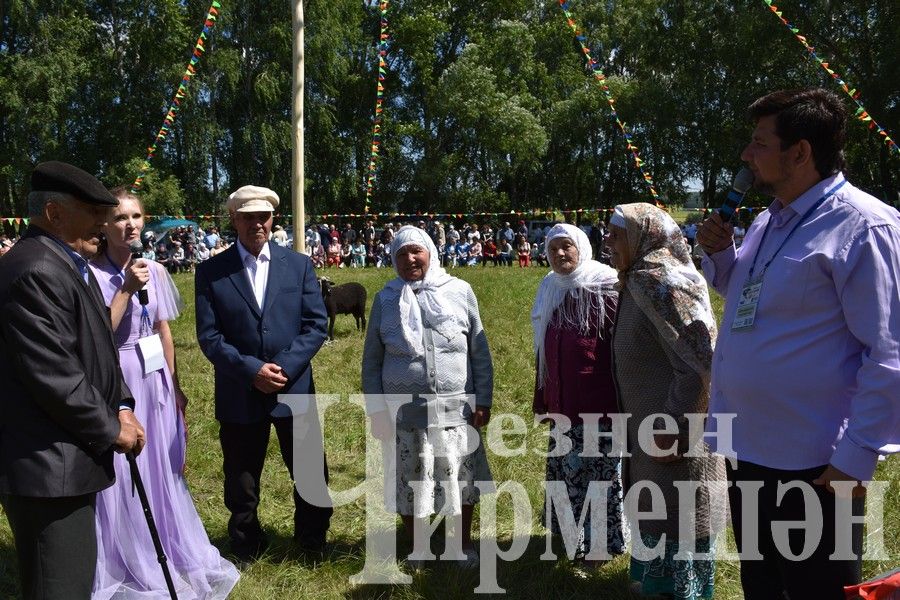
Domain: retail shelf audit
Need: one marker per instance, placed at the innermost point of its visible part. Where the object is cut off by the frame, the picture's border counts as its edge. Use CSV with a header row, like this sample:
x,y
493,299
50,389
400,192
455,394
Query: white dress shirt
x,y
257,269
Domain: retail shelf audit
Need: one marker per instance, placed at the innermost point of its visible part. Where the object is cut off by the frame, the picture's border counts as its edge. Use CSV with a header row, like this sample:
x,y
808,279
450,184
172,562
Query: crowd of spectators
x,y
468,245
181,248
330,245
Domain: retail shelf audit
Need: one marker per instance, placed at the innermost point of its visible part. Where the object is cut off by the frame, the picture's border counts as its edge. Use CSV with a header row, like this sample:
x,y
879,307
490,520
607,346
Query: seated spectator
x,y
371,252
474,253
317,255
334,253
202,252
489,253
450,254
358,254
537,255
523,249
216,249
190,258
163,257
505,253
462,252
178,259
148,253
383,255
346,254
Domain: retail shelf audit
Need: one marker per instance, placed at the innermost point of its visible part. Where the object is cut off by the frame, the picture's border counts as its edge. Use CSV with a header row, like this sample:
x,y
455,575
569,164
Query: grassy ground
x,y
505,297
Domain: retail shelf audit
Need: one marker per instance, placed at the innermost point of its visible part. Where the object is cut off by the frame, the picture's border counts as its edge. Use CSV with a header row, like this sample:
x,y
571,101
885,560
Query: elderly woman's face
x,y
412,262
563,255
619,253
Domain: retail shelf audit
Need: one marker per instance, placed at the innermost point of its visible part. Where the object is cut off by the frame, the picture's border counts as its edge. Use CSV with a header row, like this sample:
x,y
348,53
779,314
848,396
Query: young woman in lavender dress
x,y
127,566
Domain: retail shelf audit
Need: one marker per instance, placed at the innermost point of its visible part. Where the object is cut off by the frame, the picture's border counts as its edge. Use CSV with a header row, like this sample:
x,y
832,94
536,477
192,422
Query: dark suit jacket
x,y
238,337
62,386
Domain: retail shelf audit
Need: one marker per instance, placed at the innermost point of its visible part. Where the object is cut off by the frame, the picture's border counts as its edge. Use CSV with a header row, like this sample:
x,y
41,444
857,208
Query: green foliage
x,y
488,106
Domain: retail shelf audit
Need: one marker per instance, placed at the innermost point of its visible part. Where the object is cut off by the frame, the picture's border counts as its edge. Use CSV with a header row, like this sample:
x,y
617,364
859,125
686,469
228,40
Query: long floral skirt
x,y
436,470
578,472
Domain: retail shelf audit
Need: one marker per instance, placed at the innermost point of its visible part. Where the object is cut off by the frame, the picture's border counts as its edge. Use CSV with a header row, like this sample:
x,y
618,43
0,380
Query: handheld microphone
x,y
137,250
742,182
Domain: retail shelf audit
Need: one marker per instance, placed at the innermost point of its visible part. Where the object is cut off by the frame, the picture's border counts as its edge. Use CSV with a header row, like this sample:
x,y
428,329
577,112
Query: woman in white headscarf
x,y
425,341
572,318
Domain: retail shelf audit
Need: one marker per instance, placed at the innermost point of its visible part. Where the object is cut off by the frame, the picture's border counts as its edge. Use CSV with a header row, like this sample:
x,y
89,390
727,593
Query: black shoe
x,y
249,553
311,544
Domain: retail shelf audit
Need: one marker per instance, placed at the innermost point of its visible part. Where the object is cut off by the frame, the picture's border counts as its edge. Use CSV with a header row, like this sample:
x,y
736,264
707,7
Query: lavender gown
x,y
127,566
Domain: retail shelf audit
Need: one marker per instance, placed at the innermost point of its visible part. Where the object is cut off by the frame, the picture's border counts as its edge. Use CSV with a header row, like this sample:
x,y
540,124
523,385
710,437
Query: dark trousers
x,y
56,544
776,576
244,452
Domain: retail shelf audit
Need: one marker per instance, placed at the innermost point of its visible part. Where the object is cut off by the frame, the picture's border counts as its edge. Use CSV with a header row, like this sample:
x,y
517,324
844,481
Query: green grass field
x,y
505,296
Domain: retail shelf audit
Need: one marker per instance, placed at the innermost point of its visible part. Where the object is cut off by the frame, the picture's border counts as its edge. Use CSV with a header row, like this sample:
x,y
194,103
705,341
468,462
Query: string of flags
x,y
381,48
535,214
600,78
180,93
550,215
392,215
861,113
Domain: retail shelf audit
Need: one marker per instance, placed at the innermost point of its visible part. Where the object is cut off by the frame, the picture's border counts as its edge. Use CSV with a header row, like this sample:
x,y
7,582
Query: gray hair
x,y
38,200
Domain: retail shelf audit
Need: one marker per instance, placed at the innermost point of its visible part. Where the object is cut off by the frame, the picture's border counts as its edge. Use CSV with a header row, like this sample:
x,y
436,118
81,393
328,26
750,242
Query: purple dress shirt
x,y
816,380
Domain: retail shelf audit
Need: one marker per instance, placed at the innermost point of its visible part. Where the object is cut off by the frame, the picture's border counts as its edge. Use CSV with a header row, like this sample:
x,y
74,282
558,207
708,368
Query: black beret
x,y
55,176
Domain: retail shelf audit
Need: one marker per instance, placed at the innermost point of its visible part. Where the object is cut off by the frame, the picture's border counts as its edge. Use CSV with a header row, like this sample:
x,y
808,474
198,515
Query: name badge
x,y
746,308
152,353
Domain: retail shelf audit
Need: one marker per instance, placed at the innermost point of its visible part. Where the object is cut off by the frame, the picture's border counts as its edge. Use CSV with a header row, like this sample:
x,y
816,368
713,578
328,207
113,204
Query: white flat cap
x,y
252,198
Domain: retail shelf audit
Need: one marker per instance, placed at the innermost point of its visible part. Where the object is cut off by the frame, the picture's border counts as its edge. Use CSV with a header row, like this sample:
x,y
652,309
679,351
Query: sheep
x,y
345,299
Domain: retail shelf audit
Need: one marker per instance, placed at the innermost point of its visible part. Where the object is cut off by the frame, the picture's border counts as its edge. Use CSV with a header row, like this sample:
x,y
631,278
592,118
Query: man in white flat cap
x,y
260,321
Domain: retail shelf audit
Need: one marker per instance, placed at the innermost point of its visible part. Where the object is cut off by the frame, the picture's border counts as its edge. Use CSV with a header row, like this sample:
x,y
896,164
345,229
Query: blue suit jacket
x,y
238,337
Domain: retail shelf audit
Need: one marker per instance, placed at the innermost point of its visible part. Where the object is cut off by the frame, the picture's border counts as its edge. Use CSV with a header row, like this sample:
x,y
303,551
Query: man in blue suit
x,y
260,321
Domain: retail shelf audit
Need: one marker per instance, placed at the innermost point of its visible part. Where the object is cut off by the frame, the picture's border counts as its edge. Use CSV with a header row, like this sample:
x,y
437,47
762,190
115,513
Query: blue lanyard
x,y
805,216
109,260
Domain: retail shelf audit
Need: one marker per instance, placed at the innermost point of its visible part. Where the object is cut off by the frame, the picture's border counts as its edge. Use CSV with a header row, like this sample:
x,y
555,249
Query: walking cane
x,y
137,482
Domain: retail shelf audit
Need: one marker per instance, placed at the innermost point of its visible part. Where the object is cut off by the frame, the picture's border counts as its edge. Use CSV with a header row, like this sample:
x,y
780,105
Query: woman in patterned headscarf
x,y
572,321
662,349
425,341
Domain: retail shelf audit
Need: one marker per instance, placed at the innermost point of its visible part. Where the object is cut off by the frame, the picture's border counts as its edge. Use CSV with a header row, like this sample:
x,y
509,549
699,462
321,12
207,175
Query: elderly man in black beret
x,y
65,407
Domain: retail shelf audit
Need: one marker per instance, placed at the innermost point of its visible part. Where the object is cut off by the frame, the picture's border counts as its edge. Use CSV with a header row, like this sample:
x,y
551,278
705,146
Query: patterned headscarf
x,y
416,300
586,285
666,286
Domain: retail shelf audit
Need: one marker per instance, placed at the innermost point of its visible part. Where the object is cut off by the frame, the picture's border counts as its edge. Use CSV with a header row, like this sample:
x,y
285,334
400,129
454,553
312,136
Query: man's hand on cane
x,y
131,435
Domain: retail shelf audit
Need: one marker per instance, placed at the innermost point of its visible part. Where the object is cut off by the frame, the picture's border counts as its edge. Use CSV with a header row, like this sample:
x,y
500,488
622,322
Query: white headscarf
x,y
419,299
587,285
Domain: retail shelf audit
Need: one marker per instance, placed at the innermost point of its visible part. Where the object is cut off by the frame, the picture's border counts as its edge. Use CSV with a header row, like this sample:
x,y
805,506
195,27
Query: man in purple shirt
x,y
807,356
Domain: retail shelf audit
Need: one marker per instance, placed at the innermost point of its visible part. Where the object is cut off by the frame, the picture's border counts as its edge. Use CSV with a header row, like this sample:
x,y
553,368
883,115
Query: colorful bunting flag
x,y
600,78
381,51
175,106
861,113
